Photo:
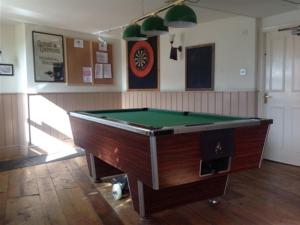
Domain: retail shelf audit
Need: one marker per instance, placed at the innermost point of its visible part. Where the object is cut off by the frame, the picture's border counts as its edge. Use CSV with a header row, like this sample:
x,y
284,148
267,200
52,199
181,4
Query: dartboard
x,y
141,59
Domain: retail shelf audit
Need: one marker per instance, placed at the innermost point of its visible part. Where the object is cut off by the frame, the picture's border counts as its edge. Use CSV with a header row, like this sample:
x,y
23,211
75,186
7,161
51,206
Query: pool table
x,y
171,158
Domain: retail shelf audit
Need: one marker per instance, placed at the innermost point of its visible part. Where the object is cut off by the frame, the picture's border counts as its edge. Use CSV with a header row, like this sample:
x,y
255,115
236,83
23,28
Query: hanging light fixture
x,y
154,26
180,16
133,33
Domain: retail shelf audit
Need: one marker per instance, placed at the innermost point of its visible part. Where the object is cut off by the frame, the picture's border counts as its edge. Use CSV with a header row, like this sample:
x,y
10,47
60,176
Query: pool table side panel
x,y
124,150
178,158
179,155
156,200
249,147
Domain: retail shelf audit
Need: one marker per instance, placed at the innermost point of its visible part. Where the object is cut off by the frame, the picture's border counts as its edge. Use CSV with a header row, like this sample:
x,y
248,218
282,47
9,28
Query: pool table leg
x,y
99,169
217,200
146,200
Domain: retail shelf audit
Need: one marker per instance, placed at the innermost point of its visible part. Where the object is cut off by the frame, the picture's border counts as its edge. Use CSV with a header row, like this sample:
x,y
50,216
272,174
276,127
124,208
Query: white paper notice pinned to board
x,y
102,57
78,43
103,46
99,71
107,71
87,74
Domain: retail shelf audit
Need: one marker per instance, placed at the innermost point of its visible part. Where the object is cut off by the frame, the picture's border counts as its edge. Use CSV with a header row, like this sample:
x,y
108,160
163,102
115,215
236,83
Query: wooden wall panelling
x,y
204,105
13,116
226,103
153,100
9,120
198,102
191,103
234,106
22,108
174,101
70,102
185,101
211,102
241,103
219,103
179,101
13,107
2,119
252,103
12,125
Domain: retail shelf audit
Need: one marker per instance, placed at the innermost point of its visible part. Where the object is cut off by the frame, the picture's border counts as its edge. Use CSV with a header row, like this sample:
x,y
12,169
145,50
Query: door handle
x,y
266,98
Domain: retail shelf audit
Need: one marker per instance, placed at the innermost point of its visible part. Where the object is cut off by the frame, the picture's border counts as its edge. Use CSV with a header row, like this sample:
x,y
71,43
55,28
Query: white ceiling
x,y
94,15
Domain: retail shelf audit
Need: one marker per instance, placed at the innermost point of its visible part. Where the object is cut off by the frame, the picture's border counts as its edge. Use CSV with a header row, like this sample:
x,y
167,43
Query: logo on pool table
x,y
141,59
218,148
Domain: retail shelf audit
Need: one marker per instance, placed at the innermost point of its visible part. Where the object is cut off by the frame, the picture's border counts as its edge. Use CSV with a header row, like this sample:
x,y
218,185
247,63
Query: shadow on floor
x,y
35,160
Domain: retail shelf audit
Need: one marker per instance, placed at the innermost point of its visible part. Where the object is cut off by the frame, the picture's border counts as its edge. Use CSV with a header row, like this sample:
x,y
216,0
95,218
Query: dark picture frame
x,y
48,57
151,81
200,67
6,69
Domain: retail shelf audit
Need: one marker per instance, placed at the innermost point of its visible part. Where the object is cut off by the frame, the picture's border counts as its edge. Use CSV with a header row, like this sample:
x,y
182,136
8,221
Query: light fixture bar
x,y
176,2
111,29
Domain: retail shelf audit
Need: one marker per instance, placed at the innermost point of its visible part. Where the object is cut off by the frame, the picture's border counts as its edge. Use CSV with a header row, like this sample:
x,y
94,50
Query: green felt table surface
x,y
161,118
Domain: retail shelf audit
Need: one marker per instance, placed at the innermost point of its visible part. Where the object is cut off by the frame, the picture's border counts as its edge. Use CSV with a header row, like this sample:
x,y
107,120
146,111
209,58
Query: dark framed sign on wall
x,y
48,57
6,69
142,61
200,67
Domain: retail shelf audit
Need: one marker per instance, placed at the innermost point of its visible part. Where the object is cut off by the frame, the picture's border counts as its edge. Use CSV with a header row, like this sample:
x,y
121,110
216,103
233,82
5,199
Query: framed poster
x,y
48,57
6,69
142,60
200,66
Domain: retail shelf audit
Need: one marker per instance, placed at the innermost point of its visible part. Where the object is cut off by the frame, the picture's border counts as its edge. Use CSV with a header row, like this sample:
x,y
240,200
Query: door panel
x,y
277,64
276,141
296,64
283,85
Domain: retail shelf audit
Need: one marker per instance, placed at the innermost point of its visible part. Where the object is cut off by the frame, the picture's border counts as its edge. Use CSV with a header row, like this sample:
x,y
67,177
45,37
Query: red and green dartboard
x,y
141,59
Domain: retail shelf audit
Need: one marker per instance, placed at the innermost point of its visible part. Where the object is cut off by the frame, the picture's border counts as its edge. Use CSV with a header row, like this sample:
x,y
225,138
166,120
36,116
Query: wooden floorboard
x,y
61,193
101,207
76,207
22,182
3,197
51,206
25,210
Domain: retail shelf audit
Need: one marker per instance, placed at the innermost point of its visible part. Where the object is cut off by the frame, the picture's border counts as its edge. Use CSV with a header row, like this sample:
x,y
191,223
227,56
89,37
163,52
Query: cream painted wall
x,y
235,40
16,45
12,45
34,87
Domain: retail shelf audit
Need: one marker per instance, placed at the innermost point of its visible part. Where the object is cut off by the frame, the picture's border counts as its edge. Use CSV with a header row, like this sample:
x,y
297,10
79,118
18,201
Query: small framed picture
x,y
6,69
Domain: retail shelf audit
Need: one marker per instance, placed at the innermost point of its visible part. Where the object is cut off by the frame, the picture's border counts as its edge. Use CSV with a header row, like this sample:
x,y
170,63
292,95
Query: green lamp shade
x,y
180,16
154,26
133,33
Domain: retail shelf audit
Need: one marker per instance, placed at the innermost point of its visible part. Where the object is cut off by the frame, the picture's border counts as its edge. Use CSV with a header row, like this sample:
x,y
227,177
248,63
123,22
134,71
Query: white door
x,y
283,86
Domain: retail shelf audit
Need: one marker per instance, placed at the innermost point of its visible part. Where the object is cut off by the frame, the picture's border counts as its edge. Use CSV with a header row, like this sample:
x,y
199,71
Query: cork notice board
x,y
77,58
83,54
108,63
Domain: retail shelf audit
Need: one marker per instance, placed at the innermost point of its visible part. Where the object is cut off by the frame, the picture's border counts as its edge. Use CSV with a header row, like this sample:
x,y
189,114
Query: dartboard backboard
x,y
142,58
